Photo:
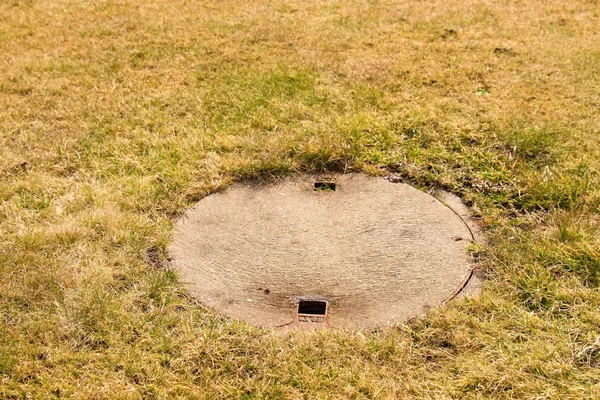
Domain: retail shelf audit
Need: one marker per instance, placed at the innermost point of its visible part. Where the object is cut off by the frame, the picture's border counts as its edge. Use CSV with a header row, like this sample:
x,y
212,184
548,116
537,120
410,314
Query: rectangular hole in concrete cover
x,y
312,307
325,184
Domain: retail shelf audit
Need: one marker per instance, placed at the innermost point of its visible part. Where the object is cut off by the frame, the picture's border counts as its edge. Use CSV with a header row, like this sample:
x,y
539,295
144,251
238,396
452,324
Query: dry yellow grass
x,y
116,115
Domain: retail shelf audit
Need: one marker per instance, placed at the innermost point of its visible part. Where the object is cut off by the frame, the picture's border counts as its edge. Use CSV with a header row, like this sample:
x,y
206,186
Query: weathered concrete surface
x,y
379,252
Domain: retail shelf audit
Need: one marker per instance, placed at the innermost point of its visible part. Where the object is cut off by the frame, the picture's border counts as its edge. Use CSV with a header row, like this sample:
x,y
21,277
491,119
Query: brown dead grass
x,y
116,115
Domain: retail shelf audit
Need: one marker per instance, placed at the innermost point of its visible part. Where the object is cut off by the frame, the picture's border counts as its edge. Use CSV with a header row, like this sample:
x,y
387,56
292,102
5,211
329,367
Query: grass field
x,y
117,115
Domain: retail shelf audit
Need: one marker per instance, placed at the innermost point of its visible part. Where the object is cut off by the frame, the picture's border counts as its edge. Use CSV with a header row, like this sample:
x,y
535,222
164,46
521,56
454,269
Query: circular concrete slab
x,y
375,251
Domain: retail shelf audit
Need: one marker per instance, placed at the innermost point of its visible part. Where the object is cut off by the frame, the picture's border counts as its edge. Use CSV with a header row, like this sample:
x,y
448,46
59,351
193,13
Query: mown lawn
x,y
117,115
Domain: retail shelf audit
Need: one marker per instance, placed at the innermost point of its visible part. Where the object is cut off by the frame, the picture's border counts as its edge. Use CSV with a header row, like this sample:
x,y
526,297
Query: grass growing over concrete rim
x,y
117,115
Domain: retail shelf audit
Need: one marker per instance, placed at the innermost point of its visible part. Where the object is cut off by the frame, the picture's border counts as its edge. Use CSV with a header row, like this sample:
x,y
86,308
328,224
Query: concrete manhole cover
x,y
344,251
